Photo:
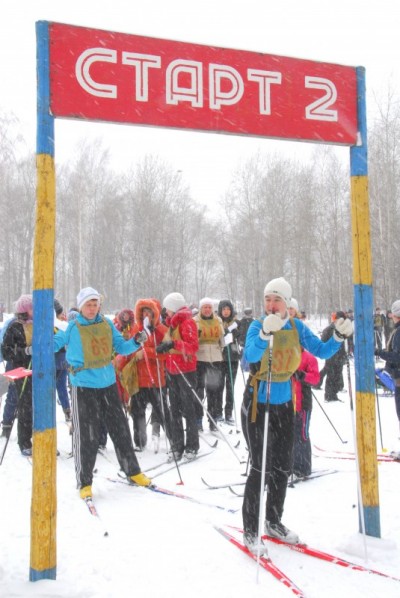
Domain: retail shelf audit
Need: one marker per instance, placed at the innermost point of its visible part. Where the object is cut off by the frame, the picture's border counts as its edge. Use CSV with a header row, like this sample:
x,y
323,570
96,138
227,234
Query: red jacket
x,y
183,331
309,365
148,372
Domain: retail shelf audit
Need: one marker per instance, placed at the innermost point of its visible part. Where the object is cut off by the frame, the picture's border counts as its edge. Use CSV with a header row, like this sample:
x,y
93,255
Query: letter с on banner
x,y
107,76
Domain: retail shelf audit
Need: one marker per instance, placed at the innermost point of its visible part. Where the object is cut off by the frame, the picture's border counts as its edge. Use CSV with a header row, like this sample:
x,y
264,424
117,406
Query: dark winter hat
x,y
340,314
225,303
58,308
248,311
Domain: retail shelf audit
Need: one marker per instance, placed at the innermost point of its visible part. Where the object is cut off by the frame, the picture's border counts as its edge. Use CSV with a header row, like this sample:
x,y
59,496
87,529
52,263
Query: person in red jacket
x,y
181,344
150,373
306,376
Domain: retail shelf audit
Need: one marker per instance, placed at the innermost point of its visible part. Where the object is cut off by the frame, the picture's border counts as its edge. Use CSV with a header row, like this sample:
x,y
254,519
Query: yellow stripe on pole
x,y
43,256
366,444
44,501
362,268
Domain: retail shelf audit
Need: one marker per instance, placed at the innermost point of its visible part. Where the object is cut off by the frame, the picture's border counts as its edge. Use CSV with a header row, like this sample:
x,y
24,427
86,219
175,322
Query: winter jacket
x,y
15,343
183,331
302,388
211,338
244,325
148,371
230,352
339,358
97,377
281,392
392,353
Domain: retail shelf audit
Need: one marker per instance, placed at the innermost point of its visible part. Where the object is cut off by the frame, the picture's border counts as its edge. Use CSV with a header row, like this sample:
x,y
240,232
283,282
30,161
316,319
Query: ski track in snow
x,y
164,546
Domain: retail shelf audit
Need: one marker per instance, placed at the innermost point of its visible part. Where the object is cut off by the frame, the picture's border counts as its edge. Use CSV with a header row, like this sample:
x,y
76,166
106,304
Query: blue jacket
x,y
91,378
281,392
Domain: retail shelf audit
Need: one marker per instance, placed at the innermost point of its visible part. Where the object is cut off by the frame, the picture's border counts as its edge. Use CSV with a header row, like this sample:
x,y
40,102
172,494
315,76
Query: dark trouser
x,y
24,393
62,388
182,404
397,401
334,381
230,369
302,444
278,461
211,377
10,406
89,407
139,403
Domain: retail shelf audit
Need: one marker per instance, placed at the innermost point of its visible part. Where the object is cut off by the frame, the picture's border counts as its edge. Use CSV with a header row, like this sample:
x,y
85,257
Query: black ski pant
x,y
230,369
302,445
24,408
182,405
139,403
89,407
278,459
210,376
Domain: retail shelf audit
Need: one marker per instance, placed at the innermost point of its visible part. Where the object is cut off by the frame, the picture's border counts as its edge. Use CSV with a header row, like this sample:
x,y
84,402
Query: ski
x,y
325,556
159,490
264,561
93,511
210,444
313,475
220,486
350,456
235,492
181,463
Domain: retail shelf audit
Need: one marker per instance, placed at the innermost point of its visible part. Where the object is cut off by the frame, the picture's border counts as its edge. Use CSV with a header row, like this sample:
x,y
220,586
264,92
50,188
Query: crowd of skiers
x,y
184,361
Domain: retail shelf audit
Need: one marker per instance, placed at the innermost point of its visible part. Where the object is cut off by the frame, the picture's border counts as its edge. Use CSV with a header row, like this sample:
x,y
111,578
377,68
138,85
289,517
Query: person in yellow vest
x,y
269,390
210,362
91,339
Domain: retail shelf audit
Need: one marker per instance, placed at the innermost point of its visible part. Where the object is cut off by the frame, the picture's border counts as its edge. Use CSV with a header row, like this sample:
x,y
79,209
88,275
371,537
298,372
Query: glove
x,y
140,337
228,339
28,350
232,327
271,323
165,347
299,375
343,329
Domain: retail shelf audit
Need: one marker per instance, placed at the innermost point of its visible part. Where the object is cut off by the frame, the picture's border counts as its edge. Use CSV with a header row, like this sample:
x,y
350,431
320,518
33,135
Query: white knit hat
x,y
293,303
174,301
396,308
206,301
85,295
280,287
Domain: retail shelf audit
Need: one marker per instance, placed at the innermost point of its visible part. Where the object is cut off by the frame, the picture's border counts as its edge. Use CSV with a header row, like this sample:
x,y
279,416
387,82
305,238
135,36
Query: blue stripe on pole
x,y
364,331
43,364
372,521
359,154
46,574
45,125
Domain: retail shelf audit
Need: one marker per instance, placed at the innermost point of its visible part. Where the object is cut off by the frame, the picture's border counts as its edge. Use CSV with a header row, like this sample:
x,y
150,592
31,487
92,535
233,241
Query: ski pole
x,y
208,413
264,455
15,415
360,503
329,420
384,450
228,349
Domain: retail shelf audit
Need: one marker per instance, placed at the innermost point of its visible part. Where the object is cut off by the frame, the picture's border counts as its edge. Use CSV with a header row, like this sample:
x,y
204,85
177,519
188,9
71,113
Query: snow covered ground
x,y
160,545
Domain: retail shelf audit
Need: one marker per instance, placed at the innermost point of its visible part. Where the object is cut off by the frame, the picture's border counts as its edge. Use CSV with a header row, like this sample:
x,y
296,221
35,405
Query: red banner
x,y
106,76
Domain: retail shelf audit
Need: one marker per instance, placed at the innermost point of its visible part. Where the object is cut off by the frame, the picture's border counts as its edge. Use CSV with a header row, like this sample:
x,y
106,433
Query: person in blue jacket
x,y
90,340
285,336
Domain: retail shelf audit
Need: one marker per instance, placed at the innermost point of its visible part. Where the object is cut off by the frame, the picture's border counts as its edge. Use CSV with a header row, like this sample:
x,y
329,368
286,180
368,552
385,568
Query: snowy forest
x,y
140,233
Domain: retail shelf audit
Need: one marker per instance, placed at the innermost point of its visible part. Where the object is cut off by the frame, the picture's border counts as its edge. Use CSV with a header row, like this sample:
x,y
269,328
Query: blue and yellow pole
x,y
44,497
363,308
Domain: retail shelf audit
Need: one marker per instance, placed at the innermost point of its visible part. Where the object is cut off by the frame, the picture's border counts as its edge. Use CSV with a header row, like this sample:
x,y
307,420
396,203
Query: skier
x,y
271,392
90,340
392,355
61,364
151,375
333,368
230,354
181,345
17,350
210,362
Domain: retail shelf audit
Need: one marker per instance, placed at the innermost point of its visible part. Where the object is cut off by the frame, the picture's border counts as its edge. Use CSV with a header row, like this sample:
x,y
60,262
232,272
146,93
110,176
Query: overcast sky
x,y
354,33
